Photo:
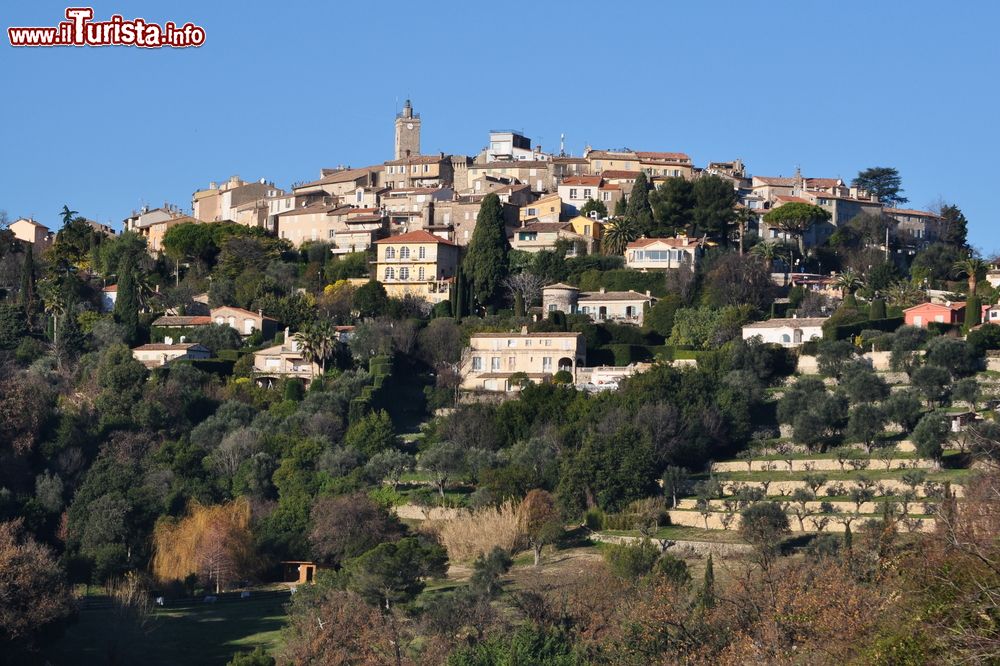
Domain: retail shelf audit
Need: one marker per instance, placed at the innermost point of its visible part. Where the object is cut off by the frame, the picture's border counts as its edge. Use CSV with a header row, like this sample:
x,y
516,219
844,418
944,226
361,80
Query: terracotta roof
x,y
611,186
611,174
823,182
953,306
512,334
418,236
789,321
241,311
581,180
614,296
910,211
543,227
111,288
560,285
31,222
675,157
782,198
770,180
342,176
672,242
315,209
183,320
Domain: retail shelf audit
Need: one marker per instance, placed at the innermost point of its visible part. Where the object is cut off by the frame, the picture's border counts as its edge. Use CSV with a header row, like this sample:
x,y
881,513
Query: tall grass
x,y
477,532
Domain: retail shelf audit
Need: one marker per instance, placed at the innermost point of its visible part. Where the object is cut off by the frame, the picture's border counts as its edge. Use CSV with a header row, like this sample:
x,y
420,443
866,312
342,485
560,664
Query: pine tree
x,y
26,298
485,264
127,302
708,586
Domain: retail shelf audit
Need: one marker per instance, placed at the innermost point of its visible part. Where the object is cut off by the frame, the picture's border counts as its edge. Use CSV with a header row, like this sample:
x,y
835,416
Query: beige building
x,y
654,164
538,236
419,171
537,174
245,321
416,263
493,358
915,228
220,202
340,182
663,253
456,219
159,354
547,209
576,191
344,226
29,231
622,307
283,361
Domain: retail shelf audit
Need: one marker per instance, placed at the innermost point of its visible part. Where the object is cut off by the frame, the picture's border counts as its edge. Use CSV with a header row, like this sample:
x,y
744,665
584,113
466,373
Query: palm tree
x,y
973,268
848,282
317,343
55,305
742,220
618,234
904,293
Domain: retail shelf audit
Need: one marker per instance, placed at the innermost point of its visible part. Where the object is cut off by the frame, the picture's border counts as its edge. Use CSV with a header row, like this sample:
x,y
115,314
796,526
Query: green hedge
x,y
215,366
846,331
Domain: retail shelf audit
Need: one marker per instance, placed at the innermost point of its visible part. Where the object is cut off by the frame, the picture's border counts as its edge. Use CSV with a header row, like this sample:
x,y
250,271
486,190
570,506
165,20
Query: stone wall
x,y
819,464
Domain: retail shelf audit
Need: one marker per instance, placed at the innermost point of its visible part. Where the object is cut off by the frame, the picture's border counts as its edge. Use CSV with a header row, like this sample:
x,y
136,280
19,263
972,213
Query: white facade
x,y
786,332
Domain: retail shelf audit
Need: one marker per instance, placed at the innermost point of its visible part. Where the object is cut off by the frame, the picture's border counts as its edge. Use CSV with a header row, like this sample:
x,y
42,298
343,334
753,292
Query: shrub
x,y
475,533
631,561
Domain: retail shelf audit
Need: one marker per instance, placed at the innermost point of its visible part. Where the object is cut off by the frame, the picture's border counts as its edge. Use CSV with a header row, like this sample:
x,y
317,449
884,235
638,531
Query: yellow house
x,y
417,263
29,231
546,209
589,227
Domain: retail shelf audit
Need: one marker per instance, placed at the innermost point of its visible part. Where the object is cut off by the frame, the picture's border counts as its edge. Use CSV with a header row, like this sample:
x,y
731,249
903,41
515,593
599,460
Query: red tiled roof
x,y
672,242
609,174
581,180
823,182
952,306
111,288
910,211
419,159
419,236
782,198
677,157
781,182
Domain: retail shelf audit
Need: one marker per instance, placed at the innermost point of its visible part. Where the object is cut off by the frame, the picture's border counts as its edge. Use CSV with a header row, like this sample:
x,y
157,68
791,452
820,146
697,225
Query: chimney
x,y
604,290
524,330
286,335
647,293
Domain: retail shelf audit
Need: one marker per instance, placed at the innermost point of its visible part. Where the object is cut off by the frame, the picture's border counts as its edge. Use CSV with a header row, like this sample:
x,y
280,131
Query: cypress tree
x,y
848,539
638,208
973,312
878,309
460,296
26,298
708,586
518,305
127,301
485,264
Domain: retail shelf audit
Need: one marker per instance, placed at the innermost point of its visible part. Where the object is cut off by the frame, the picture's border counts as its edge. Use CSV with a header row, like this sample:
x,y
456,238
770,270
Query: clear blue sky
x,y
281,89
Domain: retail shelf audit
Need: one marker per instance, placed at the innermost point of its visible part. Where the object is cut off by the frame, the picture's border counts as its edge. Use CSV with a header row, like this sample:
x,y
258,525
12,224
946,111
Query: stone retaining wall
x,y
683,549
695,519
891,486
819,464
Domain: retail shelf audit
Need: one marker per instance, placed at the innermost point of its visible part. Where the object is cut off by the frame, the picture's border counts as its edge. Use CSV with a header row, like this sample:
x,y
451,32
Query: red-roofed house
x,y
108,297
942,313
575,191
662,253
416,263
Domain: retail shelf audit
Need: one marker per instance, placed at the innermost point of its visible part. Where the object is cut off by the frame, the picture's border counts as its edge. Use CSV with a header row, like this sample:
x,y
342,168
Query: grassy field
x,y
209,634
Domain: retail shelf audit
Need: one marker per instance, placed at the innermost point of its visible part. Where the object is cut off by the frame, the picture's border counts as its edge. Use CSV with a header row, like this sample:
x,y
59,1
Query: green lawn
x,y
209,634
682,533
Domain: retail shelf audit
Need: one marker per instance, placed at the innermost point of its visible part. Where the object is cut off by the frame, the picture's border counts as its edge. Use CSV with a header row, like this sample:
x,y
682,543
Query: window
x,y
605,196
359,196
511,363
427,168
390,253
477,363
404,273
586,194
421,274
511,342
552,307
532,212
422,252
404,253
332,233
495,363
547,363
390,273
572,193
586,230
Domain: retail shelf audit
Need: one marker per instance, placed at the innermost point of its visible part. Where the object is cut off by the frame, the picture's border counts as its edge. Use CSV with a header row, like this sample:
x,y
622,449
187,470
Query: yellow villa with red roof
x,y
417,263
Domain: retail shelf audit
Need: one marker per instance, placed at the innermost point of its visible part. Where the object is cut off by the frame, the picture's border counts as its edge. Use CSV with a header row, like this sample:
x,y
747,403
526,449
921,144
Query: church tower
x,y
407,132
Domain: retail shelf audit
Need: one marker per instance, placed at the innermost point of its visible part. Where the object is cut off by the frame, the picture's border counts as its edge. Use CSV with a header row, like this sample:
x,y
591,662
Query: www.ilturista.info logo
x,y
79,30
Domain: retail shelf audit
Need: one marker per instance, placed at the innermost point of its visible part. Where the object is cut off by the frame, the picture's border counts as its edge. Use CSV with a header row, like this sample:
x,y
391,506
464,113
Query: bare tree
x,y
528,285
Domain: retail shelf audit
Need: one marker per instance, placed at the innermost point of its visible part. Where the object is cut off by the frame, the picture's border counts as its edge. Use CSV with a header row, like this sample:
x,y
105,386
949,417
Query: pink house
x,y
925,313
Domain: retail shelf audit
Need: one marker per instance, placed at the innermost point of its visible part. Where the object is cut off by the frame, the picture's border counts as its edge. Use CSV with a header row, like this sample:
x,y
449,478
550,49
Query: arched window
x,y
422,252
390,253
785,337
404,253
404,273
390,273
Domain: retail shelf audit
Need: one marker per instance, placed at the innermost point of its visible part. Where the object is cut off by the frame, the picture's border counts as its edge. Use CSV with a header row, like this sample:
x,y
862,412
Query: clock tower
x,y
407,132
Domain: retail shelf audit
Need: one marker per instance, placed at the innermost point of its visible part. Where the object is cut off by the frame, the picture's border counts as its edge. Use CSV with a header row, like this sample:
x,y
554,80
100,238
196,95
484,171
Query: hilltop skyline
x,y
823,99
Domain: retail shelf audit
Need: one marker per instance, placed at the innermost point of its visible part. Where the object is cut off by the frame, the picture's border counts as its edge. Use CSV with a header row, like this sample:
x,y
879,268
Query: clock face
x,y
409,125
